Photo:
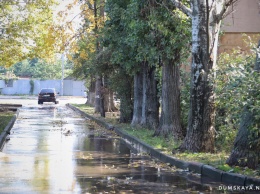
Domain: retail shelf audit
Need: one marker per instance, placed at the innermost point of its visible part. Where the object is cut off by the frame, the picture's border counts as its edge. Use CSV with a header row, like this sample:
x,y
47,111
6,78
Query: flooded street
x,y
53,150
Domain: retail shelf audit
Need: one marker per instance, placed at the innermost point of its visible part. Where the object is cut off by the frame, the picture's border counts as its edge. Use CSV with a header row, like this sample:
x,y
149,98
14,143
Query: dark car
x,y
47,95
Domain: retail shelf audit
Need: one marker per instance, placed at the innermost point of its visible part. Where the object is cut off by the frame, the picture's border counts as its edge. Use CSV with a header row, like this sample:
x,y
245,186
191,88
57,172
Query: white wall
x,y
2,84
70,87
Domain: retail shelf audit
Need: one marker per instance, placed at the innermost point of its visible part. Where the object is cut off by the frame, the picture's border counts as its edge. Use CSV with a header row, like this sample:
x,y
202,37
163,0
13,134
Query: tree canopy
x,y
26,30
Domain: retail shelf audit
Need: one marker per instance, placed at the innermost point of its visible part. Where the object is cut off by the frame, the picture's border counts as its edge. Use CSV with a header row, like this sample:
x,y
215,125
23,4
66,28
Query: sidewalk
x,y
202,169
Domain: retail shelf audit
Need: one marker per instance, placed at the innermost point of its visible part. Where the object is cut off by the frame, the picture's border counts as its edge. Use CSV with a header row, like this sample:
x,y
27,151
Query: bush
x,y
237,86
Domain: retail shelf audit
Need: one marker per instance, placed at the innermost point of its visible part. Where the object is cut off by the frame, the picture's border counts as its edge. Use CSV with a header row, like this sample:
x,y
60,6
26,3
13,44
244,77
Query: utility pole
x,y
62,74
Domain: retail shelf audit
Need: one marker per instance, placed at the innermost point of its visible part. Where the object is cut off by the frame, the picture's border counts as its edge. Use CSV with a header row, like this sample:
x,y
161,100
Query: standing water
x,y
53,150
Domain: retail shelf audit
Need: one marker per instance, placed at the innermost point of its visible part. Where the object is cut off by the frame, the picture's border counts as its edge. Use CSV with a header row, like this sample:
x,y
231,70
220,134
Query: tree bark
x,y
126,111
150,102
112,106
170,120
106,99
125,95
109,105
205,30
244,152
138,98
100,90
99,98
91,92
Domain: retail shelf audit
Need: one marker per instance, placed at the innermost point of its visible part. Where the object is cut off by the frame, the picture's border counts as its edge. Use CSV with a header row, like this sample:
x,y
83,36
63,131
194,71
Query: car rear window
x,y
47,90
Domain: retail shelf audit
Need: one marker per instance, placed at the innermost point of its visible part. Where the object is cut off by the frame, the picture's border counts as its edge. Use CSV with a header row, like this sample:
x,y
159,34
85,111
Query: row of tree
x,y
40,69
138,49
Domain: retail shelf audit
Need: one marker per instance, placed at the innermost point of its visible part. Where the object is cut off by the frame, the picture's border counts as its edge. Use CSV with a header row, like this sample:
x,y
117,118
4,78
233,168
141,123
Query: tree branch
x,y
226,5
186,10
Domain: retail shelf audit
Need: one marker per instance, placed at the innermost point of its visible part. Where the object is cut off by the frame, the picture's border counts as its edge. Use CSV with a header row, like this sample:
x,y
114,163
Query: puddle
x,y
53,151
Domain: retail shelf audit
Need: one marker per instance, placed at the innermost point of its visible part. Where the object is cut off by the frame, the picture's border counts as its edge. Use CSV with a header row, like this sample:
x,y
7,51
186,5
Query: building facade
x,y
243,19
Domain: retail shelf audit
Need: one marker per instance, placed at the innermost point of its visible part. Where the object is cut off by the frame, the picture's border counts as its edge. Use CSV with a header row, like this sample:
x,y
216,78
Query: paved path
x,y
53,150
38,156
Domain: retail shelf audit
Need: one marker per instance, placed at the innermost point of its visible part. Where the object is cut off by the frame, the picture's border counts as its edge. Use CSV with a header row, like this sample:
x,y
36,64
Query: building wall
x,y
243,18
23,87
230,41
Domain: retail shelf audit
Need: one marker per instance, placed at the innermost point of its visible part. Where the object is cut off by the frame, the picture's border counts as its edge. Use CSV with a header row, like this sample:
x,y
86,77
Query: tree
x,y
87,47
40,69
24,30
206,19
247,143
172,29
143,38
117,55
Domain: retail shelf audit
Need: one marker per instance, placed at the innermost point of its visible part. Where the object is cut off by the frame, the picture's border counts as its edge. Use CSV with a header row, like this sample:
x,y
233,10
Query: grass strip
x,y
217,159
5,118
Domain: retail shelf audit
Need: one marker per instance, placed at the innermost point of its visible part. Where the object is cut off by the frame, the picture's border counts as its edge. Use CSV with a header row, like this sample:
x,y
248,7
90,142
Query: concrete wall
x,y
73,88
22,87
2,84
67,91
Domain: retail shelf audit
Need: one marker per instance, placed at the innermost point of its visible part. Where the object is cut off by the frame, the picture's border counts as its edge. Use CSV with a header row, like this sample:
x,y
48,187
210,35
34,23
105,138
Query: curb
x,y
7,130
204,170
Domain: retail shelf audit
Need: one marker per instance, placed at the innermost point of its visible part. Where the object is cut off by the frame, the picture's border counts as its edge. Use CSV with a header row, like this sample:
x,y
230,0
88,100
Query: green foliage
x,y
85,108
146,136
171,31
5,118
24,30
185,97
40,69
237,87
124,91
7,75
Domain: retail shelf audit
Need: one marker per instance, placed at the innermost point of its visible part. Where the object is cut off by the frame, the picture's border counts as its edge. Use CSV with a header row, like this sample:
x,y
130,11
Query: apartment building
x,y
243,18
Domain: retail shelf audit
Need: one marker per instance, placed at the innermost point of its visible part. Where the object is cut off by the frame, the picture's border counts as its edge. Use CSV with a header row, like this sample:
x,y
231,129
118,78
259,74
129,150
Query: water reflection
x,y
52,150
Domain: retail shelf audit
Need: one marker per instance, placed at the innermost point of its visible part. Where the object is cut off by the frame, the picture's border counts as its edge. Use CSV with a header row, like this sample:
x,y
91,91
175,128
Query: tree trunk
x,y
106,99
125,95
246,146
170,121
91,92
244,152
126,111
205,30
138,98
105,93
99,98
111,101
150,105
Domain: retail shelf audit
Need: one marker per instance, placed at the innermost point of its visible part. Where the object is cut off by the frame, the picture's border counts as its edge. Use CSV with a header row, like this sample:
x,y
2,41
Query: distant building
x,y
244,18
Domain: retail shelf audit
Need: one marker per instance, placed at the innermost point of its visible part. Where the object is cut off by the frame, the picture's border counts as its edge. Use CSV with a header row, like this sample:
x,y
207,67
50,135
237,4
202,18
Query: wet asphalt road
x,y
53,150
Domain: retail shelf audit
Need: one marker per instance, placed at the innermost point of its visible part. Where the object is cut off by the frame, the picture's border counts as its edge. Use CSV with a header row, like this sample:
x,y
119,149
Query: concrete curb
x,y
7,130
204,170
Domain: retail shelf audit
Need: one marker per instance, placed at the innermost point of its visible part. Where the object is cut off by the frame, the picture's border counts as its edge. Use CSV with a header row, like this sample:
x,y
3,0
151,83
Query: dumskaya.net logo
x,y
239,188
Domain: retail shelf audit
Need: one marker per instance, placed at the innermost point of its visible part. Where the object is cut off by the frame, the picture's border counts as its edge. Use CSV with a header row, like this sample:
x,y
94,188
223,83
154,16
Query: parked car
x,y
47,95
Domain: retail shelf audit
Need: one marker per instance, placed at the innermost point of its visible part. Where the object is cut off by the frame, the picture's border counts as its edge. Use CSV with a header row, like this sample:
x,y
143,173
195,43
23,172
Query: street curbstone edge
x,y
7,129
204,170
